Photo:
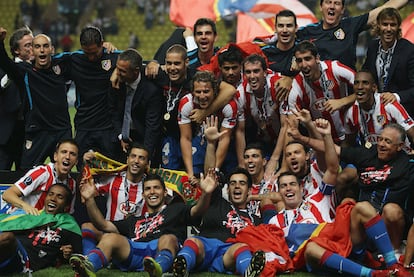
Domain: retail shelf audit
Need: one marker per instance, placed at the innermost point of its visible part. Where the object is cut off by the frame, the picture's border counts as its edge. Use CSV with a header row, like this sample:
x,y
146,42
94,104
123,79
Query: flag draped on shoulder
x,y
22,221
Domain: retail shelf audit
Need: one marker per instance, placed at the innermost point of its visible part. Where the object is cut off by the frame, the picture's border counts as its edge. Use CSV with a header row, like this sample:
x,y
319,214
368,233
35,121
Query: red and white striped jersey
x,y
266,111
227,115
318,193
124,197
37,181
306,213
265,186
333,84
369,124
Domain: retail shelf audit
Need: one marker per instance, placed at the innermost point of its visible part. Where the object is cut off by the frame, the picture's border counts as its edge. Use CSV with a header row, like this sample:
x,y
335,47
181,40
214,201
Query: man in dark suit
x,y
138,106
391,59
11,110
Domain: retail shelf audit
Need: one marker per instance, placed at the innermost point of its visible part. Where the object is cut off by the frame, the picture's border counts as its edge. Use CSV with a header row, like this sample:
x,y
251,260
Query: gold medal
x,y
368,145
167,116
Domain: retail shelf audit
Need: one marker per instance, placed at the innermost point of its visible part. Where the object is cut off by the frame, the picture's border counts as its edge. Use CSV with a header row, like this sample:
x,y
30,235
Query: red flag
x,y
407,27
184,13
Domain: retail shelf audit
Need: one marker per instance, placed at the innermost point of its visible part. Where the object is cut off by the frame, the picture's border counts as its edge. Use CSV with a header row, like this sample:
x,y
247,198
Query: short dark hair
x,y
305,147
16,37
205,76
255,145
286,13
139,146
343,2
240,170
369,72
134,58
179,49
69,195
305,46
68,140
91,35
151,177
205,21
232,54
287,173
254,58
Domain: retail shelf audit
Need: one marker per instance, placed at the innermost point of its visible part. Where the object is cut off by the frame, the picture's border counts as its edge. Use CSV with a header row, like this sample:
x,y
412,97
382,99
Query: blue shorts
x,y
199,153
139,250
214,250
171,154
16,263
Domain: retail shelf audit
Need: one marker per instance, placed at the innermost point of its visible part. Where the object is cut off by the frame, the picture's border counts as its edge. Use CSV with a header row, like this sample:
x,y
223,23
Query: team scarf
x,y
175,180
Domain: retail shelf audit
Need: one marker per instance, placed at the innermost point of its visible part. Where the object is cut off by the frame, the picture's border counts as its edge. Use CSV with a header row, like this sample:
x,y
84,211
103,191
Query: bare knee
x,y
169,242
392,213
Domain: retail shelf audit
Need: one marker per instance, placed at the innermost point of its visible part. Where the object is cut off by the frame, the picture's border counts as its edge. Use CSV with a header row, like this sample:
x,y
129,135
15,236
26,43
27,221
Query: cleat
x,y
82,266
256,265
179,267
399,270
152,267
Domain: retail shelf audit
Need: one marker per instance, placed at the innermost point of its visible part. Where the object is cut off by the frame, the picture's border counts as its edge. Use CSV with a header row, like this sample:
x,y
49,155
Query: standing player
x,y
91,69
192,139
321,87
47,119
11,103
336,37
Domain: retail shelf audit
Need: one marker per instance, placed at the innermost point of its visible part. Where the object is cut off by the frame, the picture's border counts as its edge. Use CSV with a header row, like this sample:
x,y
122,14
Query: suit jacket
x,y
146,112
10,104
401,72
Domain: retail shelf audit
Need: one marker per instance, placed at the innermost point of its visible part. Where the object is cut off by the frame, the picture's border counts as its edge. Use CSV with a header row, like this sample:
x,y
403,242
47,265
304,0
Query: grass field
x,y
66,271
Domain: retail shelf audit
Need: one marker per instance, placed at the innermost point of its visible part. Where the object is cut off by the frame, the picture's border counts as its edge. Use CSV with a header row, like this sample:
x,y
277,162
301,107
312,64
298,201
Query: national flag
x,y
20,221
407,27
254,17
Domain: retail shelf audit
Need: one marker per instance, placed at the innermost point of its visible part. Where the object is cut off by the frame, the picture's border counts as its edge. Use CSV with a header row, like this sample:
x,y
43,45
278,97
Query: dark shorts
x,y
39,145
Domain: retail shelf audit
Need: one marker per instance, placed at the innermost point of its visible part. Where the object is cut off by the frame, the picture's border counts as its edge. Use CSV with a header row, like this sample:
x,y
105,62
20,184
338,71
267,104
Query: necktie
x,y
126,124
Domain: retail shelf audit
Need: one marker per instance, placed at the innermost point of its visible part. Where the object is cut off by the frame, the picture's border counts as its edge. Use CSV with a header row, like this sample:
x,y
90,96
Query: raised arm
x,y
397,4
207,185
88,193
331,161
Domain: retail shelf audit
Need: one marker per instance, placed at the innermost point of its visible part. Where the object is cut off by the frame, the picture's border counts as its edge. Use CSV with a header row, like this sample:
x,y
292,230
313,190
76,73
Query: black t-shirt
x,y
173,92
194,61
171,219
381,182
45,89
279,61
92,80
222,220
338,43
43,245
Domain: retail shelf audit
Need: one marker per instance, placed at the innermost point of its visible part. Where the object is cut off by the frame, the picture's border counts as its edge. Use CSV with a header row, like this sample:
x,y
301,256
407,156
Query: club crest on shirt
x,y
329,84
381,119
106,65
339,34
28,181
57,69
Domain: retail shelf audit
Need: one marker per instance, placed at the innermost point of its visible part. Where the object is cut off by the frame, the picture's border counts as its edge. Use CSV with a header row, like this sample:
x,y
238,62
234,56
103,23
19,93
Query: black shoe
x,y
256,265
179,267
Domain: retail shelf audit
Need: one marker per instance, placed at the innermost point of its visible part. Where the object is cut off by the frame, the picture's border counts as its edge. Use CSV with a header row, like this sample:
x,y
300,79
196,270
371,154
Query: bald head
x,y
42,51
